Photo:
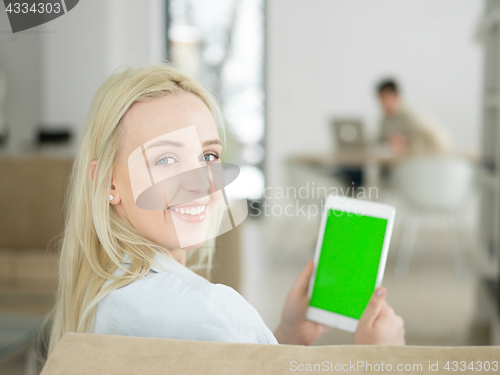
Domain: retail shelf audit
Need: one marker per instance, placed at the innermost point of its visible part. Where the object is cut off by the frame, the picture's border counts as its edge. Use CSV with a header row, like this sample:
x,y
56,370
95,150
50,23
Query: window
x,y
221,42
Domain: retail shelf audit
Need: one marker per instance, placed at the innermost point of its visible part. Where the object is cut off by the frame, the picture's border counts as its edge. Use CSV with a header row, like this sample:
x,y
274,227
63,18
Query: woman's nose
x,y
197,180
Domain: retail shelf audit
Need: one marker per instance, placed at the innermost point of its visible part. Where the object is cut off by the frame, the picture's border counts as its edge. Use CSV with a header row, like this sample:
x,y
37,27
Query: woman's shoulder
x,y
166,282
162,304
173,301
177,286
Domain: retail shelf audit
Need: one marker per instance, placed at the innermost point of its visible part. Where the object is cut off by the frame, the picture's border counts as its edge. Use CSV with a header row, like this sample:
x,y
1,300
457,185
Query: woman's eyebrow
x,y
212,142
165,142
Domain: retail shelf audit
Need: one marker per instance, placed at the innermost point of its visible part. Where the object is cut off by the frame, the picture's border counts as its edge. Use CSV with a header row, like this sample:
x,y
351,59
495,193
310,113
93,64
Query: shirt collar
x,y
161,262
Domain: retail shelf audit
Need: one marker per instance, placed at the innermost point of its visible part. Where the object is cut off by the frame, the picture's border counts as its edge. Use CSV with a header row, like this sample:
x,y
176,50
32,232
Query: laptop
x,y
349,134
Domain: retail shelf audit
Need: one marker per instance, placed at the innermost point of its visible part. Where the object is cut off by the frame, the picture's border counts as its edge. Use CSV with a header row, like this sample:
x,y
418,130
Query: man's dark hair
x,y
388,85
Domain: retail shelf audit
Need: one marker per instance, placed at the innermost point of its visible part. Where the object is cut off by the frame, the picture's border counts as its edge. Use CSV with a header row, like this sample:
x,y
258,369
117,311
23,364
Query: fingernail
x,y
380,292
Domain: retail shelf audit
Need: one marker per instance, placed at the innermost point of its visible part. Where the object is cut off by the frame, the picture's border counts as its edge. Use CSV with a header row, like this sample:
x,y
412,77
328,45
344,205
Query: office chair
x,y
435,184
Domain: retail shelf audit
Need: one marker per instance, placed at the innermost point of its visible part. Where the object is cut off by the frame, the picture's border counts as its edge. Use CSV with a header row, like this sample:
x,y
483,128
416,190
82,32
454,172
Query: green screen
x,y
348,263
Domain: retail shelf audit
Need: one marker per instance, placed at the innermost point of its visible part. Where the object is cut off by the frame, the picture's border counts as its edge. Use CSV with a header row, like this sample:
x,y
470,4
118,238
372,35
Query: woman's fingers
x,y
302,284
323,328
379,324
374,307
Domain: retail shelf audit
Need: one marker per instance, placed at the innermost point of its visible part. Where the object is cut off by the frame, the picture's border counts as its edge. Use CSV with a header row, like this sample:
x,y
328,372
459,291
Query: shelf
x,y
487,256
488,179
491,101
487,265
489,294
486,24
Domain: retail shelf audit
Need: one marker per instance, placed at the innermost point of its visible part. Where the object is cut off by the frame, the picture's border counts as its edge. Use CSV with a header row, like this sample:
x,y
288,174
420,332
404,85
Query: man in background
x,y
406,131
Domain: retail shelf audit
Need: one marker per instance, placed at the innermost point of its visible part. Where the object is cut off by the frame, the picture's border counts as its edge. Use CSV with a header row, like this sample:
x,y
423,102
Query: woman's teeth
x,y
189,210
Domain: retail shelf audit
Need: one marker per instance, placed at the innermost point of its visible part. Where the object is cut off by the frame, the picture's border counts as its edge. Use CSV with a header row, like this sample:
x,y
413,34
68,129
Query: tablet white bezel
x,y
360,207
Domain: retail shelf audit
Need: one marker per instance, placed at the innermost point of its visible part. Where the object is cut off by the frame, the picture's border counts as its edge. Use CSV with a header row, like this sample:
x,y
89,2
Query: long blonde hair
x,y
96,237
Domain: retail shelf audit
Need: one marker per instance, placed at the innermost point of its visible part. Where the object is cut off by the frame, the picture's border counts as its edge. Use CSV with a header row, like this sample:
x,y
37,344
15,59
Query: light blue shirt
x,y
173,302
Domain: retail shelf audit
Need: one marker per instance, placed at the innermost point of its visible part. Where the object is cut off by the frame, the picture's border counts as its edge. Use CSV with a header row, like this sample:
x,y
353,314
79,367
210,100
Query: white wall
x,y
54,70
74,55
20,61
90,42
324,57
136,32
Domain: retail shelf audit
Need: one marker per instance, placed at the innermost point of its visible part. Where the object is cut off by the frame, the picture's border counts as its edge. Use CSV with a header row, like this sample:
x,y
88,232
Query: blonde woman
x,y
122,269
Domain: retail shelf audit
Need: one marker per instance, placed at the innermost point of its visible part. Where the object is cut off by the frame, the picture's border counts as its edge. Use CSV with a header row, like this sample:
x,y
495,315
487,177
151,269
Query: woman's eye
x,y
166,160
210,157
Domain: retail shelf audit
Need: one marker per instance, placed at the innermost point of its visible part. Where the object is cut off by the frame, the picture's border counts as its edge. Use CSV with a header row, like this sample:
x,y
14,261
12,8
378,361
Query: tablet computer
x,y
350,259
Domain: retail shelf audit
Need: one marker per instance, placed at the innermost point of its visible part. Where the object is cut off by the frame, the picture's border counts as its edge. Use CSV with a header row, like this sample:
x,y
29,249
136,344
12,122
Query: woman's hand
x,y
379,324
295,329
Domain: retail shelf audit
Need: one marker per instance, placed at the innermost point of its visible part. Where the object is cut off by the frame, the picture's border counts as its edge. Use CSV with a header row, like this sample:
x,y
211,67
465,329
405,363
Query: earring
x,y
111,197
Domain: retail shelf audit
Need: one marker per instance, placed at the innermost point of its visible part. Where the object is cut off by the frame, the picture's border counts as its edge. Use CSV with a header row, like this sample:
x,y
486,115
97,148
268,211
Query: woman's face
x,y
168,143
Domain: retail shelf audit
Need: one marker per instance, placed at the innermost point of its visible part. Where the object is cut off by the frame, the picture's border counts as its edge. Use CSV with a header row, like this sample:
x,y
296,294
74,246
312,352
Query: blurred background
x,y
391,101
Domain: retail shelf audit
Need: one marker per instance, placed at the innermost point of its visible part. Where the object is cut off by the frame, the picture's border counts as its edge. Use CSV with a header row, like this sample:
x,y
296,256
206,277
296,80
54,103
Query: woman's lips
x,y
193,213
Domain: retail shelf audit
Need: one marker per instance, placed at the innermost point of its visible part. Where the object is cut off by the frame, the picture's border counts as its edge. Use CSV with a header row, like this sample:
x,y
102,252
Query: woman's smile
x,y
192,212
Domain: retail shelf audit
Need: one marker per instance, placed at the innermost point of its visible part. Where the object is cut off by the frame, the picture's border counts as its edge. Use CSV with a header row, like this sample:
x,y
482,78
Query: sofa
x,y
32,193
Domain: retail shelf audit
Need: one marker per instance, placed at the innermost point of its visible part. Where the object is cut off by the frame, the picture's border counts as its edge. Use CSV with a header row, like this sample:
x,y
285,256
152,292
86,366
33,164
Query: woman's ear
x,y
92,168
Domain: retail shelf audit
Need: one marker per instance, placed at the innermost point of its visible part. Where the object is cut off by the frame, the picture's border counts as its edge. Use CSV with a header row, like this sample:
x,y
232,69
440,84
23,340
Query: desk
x,y
343,158
370,161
